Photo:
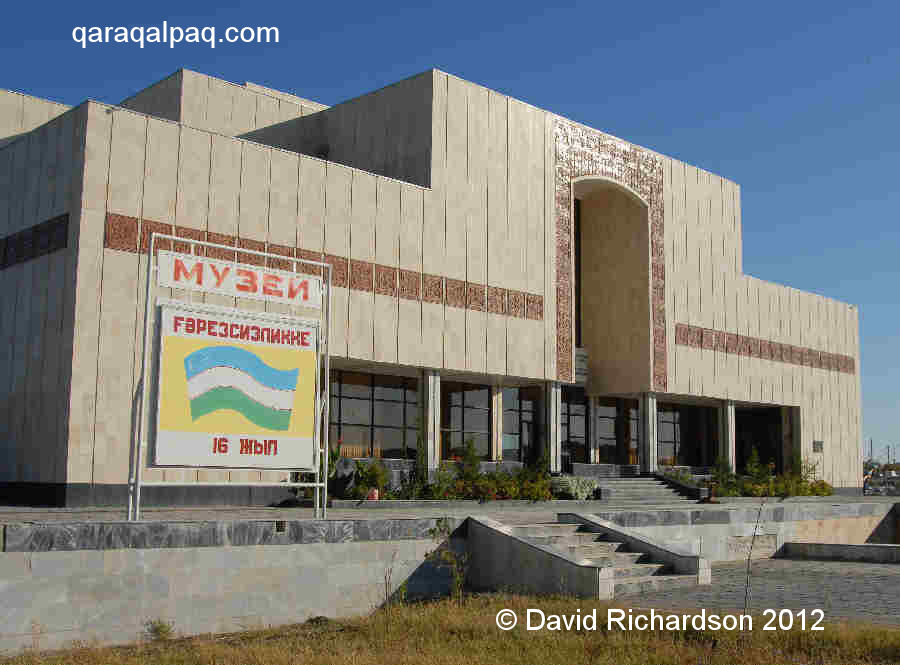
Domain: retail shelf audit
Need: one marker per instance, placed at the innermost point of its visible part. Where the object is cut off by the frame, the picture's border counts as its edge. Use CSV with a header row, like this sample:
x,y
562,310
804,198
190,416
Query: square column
x,y
593,439
727,440
554,409
647,416
496,423
430,393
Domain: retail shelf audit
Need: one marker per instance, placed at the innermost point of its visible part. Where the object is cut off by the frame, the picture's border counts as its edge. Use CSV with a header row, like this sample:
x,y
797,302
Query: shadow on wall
x,y
888,530
443,573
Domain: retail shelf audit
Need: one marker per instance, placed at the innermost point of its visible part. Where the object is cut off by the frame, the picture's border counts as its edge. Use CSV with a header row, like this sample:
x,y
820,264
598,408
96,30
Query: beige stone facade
x,y
447,211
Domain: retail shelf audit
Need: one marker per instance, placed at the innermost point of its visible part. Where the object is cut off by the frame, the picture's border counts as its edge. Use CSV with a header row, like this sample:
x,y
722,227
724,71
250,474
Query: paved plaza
x,y
859,591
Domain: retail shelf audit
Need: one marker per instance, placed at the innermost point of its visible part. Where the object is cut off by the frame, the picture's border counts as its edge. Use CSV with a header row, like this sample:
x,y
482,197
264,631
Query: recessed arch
x,y
584,186
612,291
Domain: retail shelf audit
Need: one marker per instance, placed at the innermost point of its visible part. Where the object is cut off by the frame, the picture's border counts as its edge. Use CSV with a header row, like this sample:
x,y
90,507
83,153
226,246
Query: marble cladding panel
x,y
582,151
72,536
123,233
754,347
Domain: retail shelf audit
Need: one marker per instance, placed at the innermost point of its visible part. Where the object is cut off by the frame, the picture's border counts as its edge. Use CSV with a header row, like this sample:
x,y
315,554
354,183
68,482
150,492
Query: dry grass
x,y
447,632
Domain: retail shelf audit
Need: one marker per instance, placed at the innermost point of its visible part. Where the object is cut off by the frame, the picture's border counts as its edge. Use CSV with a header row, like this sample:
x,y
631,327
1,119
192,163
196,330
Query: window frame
x,y
462,387
409,385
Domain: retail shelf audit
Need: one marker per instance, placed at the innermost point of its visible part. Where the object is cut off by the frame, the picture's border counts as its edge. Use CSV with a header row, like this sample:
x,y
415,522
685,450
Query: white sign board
x,y
241,280
236,390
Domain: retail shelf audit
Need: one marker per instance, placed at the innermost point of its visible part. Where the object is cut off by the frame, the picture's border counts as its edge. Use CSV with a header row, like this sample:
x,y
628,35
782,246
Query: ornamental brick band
x,y
696,337
126,234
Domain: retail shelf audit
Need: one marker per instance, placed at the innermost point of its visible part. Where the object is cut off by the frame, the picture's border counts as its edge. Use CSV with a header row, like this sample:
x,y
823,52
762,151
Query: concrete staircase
x,y
633,572
638,491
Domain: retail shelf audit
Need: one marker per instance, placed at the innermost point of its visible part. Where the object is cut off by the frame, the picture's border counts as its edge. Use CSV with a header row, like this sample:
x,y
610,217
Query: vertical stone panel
x,y
253,219
283,193
338,181
311,231
457,187
161,171
126,163
193,179
224,185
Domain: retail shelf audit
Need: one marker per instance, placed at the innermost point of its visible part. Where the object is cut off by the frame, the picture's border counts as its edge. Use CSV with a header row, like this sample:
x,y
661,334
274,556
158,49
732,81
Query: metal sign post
x,y
239,280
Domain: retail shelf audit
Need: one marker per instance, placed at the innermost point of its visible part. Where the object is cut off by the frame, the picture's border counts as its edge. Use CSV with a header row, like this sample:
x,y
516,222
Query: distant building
x,y
502,274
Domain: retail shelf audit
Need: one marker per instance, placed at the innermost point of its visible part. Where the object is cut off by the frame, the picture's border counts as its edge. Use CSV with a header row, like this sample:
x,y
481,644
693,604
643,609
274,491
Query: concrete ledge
x,y
839,552
465,504
690,491
687,564
72,536
502,561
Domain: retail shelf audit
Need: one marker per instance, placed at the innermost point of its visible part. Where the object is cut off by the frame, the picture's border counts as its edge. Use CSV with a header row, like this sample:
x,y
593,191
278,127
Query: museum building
x,y
500,274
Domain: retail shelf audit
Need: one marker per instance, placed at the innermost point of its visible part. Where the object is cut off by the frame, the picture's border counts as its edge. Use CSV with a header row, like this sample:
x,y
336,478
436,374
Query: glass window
x,y
606,432
668,434
374,415
465,416
574,427
519,417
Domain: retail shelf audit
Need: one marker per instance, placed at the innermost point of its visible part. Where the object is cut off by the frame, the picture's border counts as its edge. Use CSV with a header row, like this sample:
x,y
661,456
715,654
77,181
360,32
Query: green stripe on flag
x,y
233,399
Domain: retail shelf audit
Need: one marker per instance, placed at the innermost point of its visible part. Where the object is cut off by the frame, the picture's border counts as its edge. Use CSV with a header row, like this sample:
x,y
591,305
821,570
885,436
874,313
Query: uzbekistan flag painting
x,y
228,377
236,390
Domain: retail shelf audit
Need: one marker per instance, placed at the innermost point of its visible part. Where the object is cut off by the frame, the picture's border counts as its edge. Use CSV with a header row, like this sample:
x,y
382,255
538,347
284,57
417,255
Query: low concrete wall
x,y
501,561
840,552
729,532
53,596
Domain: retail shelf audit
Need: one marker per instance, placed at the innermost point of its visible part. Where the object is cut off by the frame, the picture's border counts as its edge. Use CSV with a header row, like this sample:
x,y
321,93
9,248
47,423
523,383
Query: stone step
x,y
594,550
617,559
636,490
639,585
632,486
566,540
638,570
544,530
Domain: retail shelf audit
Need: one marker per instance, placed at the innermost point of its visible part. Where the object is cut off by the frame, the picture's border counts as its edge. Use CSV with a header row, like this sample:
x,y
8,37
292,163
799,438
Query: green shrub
x,y
681,476
573,487
370,475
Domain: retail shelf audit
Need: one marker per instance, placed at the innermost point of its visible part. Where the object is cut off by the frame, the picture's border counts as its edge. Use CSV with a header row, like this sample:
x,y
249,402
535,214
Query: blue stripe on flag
x,y
239,359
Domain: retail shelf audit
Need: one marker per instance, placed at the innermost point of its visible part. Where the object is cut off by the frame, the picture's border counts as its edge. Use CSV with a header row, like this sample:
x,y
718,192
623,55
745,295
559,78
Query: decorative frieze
x,y
582,151
764,349
128,234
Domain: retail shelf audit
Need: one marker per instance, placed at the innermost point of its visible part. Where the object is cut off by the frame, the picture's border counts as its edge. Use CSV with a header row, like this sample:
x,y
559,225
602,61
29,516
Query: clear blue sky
x,y
797,102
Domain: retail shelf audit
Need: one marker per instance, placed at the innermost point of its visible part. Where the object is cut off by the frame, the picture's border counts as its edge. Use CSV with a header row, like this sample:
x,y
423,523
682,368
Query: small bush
x,y
680,476
759,480
574,487
370,475
159,630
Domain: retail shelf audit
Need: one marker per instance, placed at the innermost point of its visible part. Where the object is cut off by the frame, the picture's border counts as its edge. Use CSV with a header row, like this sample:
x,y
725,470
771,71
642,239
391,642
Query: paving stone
x,y
843,590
